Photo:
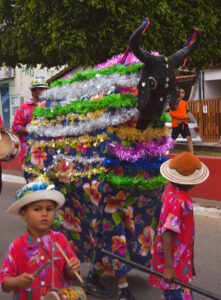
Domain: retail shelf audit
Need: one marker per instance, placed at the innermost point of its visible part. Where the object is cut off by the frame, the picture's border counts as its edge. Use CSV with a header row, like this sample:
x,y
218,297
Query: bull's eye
x,y
152,83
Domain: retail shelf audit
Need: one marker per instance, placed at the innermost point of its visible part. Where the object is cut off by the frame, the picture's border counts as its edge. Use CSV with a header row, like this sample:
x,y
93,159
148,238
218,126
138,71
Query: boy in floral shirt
x,y
2,128
173,250
36,203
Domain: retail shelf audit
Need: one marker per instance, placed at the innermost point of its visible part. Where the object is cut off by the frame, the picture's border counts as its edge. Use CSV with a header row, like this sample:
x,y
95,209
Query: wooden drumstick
x,y
41,268
68,261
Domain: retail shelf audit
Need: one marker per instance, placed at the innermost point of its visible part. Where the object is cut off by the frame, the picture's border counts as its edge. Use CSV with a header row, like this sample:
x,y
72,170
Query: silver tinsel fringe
x,y
107,119
90,88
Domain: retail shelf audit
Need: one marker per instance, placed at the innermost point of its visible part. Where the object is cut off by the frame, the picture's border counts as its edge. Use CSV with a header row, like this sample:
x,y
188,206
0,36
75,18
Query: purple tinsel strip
x,y
142,149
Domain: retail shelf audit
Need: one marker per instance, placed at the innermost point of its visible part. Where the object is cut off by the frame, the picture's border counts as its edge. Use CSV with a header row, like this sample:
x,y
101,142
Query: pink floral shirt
x,y
177,216
23,117
1,122
28,254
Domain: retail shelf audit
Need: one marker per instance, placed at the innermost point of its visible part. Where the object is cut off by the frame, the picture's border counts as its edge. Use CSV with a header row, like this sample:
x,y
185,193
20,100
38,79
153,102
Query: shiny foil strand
x,y
130,183
69,118
71,142
79,159
115,60
87,75
142,149
141,164
132,134
90,105
107,119
69,175
90,89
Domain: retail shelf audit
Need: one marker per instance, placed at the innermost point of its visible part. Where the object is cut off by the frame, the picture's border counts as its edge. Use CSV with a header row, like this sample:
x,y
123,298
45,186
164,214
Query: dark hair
x,y
184,187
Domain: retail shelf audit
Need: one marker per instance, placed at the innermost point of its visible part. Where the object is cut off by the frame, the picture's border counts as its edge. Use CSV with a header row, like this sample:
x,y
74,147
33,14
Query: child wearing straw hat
x,y
34,263
173,250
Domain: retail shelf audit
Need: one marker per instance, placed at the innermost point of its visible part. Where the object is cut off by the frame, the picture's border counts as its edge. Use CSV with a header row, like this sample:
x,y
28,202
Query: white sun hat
x,y
185,168
38,82
36,191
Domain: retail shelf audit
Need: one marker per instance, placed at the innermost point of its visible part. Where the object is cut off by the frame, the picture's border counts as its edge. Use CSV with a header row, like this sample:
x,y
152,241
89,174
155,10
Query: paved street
x,y
207,252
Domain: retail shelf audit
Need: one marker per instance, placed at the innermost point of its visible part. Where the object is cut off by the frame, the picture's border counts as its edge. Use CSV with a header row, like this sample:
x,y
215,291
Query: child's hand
x,y
177,121
25,280
186,117
74,265
169,274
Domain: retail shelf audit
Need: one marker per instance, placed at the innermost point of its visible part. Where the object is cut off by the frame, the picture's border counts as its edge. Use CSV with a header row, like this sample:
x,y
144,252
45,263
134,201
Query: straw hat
x,y
36,191
38,82
185,168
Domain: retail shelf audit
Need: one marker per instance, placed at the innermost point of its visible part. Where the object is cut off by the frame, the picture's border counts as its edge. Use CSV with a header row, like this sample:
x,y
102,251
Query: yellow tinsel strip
x,y
133,134
73,175
71,142
69,118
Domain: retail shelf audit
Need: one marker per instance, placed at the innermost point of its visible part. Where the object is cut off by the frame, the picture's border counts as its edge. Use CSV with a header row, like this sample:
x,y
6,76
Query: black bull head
x,y
158,78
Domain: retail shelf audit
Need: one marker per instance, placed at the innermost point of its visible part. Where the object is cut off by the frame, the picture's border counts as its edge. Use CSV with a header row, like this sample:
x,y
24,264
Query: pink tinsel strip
x,y
115,60
142,149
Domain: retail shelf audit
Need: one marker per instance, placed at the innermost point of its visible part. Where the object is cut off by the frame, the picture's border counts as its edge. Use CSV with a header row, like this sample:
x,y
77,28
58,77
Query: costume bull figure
x,y
100,137
158,77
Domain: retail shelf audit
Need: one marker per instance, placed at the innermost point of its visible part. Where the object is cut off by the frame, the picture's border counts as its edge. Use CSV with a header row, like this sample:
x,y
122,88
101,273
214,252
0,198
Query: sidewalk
x,y
203,207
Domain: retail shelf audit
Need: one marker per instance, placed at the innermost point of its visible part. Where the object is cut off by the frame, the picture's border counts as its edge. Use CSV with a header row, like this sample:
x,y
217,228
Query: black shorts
x,y
182,129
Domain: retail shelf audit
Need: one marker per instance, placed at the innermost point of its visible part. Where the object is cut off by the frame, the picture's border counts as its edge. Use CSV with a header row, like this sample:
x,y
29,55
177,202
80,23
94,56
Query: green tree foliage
x,y
86,32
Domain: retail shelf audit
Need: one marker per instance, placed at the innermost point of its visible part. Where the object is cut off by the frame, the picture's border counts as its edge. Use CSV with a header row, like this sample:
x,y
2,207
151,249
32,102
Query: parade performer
x,y
2,128
36,203
23,115
180,119
101,137
173,250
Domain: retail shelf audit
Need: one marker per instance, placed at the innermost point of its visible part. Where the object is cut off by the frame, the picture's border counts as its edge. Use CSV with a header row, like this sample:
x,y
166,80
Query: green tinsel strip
x,y
81,76
164,118
124,182
83,107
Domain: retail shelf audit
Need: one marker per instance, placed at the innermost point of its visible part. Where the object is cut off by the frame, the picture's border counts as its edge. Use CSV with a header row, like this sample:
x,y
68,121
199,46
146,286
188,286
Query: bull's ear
x,y
143,90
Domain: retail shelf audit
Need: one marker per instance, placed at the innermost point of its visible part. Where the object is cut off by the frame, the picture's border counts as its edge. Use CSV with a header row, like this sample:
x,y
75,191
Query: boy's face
x,y
36,93
182,94
39,216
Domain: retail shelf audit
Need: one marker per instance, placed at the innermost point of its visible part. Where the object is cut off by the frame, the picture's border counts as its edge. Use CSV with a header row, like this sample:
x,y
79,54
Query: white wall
x,y
24,76
212,84
212,89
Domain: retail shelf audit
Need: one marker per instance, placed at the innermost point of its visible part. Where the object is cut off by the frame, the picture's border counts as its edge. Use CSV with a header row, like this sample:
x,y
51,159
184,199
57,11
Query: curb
x,y
14,179
207,211
198,209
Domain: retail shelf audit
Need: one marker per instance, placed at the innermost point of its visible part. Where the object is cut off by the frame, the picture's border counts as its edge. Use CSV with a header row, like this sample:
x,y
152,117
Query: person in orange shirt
x,y
180,119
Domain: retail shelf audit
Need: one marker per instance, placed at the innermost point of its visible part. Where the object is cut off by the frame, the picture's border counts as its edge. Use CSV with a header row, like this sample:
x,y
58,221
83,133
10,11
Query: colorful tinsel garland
x,y
69,175
130,183
69,118
121,115
93,88
63,143
124,132
82,76
141,164
83,107
141,149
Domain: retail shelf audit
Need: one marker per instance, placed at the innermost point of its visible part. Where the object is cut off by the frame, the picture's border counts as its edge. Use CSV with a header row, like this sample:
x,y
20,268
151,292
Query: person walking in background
x,y
173,249
180,119
23,115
